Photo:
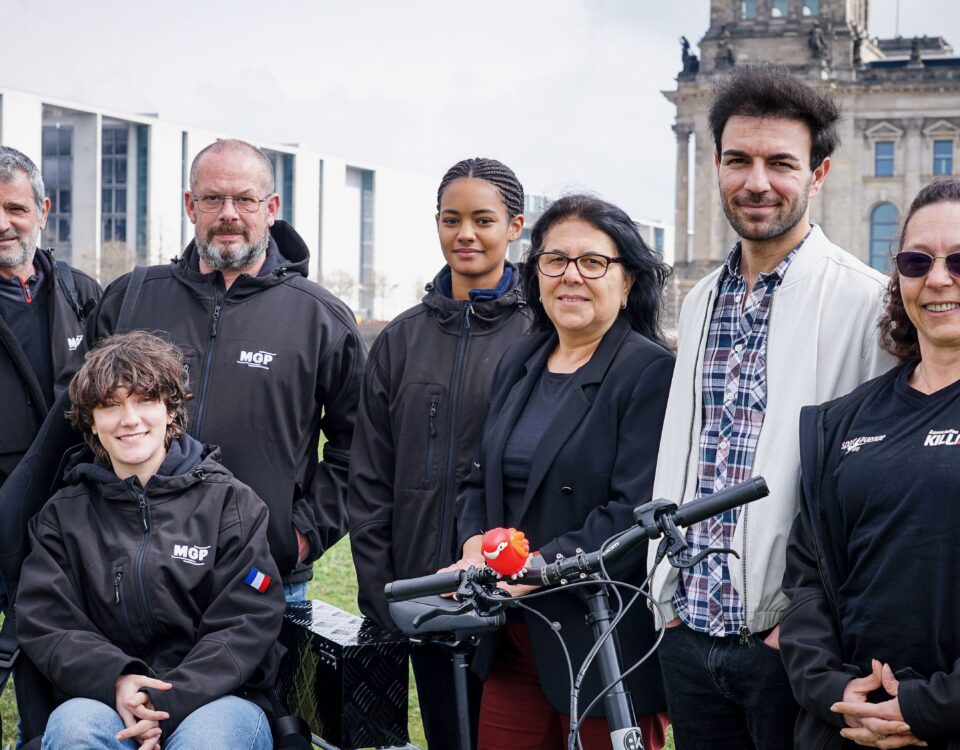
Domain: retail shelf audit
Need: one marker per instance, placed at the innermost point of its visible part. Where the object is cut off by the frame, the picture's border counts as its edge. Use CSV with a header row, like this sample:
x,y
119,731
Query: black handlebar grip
x,y
412,588
718,502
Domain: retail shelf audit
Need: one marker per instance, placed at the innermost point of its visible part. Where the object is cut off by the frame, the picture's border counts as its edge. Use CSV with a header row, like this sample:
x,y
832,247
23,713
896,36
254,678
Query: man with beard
x,y
273,358
42,307
789,310
43,303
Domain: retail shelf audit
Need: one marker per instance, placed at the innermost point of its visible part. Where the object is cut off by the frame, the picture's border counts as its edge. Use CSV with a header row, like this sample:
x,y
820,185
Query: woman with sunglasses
x,y
871,640
568,450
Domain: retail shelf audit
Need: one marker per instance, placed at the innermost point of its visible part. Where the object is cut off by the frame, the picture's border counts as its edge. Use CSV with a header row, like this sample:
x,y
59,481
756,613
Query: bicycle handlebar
x,y
653,520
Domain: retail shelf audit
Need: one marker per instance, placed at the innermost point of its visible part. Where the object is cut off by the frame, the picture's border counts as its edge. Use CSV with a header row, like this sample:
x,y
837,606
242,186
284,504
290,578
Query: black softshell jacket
x,y
425,396
273,360
810,637
24,405
123,579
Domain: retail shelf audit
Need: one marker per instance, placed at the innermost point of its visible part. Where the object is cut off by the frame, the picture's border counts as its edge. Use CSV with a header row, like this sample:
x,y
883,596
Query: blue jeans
x,y
726,695
228,723
295,592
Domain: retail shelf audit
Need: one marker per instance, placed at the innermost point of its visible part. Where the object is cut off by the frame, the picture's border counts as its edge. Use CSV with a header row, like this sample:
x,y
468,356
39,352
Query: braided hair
x,y
496,173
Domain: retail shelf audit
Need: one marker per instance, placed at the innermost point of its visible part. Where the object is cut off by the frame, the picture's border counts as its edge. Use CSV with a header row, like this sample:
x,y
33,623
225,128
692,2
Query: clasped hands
x,y
875,724
140,719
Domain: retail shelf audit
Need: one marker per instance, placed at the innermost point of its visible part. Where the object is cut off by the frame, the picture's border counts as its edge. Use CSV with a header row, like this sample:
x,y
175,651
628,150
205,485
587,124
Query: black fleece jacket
x,y
273,361
24,405
425,395
124,579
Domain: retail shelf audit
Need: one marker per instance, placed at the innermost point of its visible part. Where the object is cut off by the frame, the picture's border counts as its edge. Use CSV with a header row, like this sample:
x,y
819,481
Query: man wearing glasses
x,y
789,319
273,358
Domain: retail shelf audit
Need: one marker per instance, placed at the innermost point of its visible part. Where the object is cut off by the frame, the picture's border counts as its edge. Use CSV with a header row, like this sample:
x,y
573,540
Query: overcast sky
x,y
567,92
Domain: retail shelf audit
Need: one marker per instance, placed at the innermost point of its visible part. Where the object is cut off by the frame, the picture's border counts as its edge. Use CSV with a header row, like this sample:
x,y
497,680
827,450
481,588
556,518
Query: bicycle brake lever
x,y
697,558
430,614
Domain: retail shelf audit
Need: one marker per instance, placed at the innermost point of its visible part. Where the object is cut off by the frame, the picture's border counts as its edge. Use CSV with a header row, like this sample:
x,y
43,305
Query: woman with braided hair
x,y
422,405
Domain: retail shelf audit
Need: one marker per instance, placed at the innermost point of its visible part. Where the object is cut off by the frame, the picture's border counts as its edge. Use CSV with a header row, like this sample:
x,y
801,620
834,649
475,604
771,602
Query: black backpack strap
x,y
65,274
134,285
291,733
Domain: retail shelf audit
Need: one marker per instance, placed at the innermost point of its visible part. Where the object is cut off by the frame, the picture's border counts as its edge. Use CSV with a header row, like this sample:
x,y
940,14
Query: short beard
x,y
27,248
777,227
238,259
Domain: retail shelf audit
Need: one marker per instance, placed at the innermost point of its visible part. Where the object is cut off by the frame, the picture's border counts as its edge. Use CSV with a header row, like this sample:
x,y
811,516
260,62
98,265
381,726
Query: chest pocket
x,y
420,423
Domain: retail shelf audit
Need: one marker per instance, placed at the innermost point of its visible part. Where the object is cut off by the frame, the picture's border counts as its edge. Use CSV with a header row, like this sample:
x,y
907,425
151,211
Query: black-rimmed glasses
x,y
590,265
209,204
915,264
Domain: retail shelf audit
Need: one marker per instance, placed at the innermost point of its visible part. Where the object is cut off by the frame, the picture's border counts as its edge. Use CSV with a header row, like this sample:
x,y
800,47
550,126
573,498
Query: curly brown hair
x,y
898,334
138,361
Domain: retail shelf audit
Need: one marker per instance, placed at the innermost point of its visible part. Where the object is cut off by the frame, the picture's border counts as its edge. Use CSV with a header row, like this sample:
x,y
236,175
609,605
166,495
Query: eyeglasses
x,y
209,204
915,264
590,265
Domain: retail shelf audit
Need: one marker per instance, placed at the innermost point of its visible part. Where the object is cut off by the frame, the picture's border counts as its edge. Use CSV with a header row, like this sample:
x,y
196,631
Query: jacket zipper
x,y
431,439
745,630
451,465
205,383
121,603
141,559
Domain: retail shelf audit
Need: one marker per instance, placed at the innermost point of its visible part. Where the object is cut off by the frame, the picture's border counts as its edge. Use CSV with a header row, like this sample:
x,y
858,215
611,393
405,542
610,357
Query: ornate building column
x,y
681,251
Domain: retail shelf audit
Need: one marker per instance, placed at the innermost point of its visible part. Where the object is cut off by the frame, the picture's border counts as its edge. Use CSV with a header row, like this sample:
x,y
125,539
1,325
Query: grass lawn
x,y
335,582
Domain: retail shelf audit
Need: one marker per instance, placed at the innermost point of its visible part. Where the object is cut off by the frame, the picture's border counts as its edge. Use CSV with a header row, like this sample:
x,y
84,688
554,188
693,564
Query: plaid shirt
x,y
734,404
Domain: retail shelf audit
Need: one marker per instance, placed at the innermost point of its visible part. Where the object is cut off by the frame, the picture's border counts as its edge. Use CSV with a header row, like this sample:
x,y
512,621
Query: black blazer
x,y
595,463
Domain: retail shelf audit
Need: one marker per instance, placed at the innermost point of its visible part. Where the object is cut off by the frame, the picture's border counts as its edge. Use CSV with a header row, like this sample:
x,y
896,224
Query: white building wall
x,y
164,196
407,249
21,123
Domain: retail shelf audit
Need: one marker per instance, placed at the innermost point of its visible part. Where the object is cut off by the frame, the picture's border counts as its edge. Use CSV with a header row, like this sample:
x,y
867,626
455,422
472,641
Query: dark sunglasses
x,y
915,264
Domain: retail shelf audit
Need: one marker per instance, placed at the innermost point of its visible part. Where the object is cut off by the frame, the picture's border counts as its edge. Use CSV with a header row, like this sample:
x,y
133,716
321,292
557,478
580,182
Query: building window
x,y
811,7
286,192
748,8
57,169
143,142
658,240
883,233
778,9
368,289
113,183
883,158
942,157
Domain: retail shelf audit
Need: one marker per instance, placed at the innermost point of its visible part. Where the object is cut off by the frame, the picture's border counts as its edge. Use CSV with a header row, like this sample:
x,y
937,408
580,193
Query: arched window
x,y
883,235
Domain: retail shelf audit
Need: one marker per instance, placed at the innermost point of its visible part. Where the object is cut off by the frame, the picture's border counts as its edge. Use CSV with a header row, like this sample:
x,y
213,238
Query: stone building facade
x,y
901,127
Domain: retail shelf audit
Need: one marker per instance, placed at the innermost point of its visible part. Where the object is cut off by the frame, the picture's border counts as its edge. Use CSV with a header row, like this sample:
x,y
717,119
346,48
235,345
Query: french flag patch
x,y
257,579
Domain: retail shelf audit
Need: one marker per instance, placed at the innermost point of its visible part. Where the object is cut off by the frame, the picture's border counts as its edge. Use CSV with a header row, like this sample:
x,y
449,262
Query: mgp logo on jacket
x,y
260,359
190,554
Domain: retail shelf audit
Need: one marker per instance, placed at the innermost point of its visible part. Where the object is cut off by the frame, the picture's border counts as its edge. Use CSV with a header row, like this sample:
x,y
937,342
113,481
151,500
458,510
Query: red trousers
x,y
516,715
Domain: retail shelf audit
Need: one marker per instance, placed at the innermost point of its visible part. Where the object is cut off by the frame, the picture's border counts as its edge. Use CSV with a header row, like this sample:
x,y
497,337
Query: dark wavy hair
x,y
766,90
898,334
645,298
496,173
141,363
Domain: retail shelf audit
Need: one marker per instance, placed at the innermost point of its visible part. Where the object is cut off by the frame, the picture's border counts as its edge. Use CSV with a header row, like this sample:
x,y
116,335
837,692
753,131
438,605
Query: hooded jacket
x,y
124,579
273,361
424,399
24,405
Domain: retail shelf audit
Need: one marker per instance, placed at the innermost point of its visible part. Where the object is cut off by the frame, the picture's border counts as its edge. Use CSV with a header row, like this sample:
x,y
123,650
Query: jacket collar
x,y
486,314
287,256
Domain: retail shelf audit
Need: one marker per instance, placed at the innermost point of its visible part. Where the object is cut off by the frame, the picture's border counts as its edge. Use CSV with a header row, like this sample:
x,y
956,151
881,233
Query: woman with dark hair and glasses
x,y
568,450
871,640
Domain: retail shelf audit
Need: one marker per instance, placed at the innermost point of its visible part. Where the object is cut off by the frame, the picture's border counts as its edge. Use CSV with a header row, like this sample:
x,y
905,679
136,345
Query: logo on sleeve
x,y
941,437
854,446
261,359
191,555
257,579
